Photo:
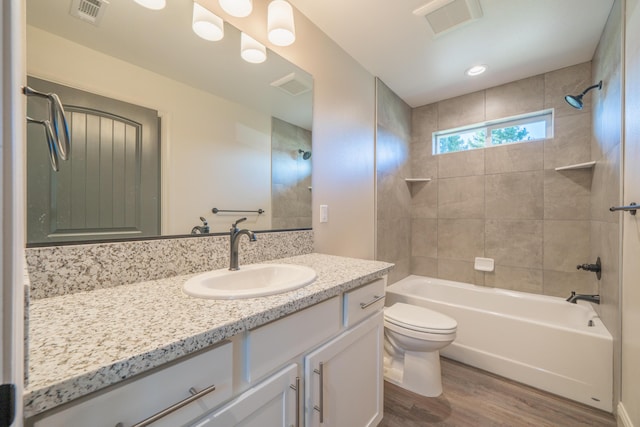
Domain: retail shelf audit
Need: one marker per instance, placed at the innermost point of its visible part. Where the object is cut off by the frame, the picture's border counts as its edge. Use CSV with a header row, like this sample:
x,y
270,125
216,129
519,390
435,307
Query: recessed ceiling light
x,y
476,70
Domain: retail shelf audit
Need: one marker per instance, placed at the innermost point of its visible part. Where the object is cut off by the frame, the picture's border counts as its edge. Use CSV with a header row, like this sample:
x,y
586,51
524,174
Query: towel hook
x,y
57,119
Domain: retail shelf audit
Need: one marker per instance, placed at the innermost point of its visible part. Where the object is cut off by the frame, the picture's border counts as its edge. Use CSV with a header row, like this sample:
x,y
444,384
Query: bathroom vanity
x,y
119,356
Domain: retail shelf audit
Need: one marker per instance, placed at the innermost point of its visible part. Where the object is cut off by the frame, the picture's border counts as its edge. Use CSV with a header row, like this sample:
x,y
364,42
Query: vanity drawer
x,y
270,346
141,398
364,301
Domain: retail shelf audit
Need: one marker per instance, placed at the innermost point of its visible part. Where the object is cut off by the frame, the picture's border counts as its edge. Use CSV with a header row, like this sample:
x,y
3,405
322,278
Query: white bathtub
x,y
541,341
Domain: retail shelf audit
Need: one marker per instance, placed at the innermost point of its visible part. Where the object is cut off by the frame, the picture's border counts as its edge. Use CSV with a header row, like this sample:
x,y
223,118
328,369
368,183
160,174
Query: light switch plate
x,y
324,213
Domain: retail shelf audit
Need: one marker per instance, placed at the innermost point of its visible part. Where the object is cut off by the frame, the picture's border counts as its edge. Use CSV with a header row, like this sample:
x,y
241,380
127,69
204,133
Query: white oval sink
x,y
253,280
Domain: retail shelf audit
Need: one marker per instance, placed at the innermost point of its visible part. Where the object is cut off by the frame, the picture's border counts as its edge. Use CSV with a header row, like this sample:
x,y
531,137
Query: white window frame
x,y
545,115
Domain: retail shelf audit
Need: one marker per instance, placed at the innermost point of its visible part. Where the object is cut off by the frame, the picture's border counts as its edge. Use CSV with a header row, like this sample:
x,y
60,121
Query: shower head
x,y
576,100
306,155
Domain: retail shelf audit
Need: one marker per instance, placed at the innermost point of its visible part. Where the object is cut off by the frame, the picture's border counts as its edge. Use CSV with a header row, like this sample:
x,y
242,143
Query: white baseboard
x,y
623,417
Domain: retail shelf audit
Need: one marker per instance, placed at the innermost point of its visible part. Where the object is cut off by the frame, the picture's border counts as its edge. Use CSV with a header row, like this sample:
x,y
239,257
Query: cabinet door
x,y
273,403
343,378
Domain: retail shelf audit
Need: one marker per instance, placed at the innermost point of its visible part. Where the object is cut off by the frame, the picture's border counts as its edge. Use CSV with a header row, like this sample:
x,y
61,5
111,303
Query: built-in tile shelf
x,y
417,179
586,165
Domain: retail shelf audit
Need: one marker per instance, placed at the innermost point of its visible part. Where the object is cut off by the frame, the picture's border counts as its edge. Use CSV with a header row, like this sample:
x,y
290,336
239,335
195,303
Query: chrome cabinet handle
x,y
632,208
320,407
297,389
173,408
375,299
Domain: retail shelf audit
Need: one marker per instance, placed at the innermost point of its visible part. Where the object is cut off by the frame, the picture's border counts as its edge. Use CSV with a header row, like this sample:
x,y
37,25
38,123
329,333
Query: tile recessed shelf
x,y
417,179
586,165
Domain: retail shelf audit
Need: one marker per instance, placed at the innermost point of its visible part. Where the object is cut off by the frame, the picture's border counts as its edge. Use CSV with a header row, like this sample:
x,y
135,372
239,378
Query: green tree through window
x,y
527,127
510,134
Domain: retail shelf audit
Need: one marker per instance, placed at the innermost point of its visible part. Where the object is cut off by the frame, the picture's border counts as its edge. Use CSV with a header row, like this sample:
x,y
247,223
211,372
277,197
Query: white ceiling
x,y
514,38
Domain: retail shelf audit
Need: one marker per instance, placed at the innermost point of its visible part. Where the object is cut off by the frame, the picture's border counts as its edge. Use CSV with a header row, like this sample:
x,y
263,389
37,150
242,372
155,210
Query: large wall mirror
x,y
229,134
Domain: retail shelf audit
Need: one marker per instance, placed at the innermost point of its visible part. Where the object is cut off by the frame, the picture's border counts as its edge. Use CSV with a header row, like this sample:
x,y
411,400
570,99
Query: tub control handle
x,y
320,406
375,299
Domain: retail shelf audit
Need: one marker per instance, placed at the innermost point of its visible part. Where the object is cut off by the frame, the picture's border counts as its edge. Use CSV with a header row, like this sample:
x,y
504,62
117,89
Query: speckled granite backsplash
x,y
60,270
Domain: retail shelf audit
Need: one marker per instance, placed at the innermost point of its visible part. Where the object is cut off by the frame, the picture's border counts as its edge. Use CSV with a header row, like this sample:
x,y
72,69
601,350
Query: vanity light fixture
x,y
237,8
206,24
152,4
280,26
252,50
476,70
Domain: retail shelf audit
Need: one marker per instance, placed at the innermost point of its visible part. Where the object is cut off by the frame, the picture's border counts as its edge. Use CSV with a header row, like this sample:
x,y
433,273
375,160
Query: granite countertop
x,y
83,342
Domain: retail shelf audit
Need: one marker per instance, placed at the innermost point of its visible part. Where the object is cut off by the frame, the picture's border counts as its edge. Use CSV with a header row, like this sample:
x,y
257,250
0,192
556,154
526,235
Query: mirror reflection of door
x,y
109,187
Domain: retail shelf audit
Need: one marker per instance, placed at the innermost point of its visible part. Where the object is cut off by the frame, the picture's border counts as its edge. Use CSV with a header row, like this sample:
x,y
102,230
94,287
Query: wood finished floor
x,y
477,398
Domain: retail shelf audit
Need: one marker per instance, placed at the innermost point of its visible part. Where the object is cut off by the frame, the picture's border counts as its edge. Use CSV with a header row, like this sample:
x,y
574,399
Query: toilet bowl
x,y
413,337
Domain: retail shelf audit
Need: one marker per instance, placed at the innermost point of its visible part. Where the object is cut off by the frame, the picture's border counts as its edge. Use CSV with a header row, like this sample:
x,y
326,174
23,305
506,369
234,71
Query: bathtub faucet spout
x,y
591,298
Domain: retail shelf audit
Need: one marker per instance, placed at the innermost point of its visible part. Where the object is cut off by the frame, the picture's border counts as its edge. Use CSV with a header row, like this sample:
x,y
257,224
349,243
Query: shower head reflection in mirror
x,y
306,155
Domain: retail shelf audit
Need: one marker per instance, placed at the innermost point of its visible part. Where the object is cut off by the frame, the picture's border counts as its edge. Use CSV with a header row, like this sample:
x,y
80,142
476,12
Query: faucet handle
x,y
238,222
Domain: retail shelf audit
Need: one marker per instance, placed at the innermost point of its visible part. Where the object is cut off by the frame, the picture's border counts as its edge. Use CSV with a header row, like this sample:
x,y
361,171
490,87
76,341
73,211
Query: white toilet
x,y
413,336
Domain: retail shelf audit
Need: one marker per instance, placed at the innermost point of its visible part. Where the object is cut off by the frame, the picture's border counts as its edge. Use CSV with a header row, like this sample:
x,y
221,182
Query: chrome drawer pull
x,y
173,408
320,407
375,299
297,389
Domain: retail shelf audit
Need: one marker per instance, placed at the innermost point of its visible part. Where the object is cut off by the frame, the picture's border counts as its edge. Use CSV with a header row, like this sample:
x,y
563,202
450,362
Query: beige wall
x,y
343,132
606,151
393,203
506,203
290,176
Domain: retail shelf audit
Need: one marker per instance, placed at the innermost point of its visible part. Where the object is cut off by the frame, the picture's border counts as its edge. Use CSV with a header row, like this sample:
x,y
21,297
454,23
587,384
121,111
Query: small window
x,y
529,127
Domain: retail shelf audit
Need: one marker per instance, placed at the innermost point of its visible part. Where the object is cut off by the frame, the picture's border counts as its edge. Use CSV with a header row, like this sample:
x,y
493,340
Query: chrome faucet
x,y
591,298
201,229
234,238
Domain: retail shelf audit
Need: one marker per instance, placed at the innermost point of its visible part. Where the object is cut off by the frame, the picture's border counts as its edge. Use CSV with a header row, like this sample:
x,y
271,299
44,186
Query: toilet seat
x,y
419,319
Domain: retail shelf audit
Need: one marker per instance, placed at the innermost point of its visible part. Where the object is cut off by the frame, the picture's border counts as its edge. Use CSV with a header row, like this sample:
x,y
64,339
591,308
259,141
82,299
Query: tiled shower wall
x,y
506,203
393,201
290,176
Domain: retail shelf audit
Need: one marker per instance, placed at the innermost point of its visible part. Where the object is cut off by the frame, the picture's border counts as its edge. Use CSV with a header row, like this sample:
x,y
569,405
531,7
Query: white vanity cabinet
x,y
126,405
273,403
343,378
323,360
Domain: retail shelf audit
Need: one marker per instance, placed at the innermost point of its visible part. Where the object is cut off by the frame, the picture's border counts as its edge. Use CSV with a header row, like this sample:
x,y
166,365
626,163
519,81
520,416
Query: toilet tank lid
x,y
416,317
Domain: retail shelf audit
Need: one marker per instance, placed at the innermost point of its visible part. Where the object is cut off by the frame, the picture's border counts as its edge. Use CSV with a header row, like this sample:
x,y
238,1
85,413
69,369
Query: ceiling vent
x,y
445,15
292,84
90,11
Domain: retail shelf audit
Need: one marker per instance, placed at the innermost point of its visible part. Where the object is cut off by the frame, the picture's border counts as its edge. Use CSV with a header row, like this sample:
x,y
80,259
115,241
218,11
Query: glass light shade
x,y
280,26
152,4
206,24
252,50
237,8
